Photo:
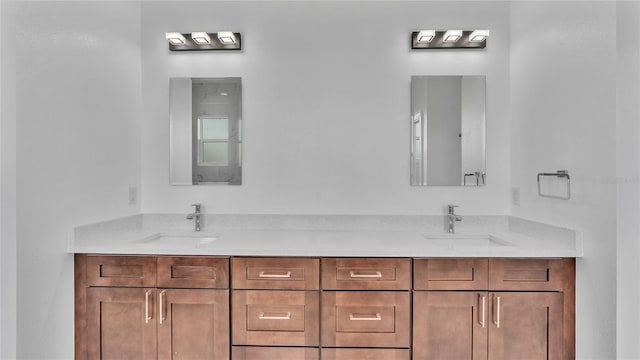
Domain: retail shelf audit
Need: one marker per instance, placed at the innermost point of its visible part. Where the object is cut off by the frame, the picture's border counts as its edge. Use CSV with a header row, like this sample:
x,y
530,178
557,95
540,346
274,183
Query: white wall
x,y
326,104
78,110
8,260
628,180
563,102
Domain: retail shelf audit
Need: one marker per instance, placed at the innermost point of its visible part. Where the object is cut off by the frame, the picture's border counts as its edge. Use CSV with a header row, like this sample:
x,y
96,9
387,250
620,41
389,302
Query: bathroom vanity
x,y
273,294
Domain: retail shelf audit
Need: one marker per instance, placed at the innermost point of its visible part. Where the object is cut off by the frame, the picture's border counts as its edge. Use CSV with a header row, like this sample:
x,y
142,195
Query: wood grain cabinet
x,y
137,307
521,309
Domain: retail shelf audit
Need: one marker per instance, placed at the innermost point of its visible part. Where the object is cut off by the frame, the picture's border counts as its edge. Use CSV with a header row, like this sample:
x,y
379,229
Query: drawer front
x,y
129,271
451,274
275,273
366,318
193,272
275,318
526,274
271,353
366,274
366,354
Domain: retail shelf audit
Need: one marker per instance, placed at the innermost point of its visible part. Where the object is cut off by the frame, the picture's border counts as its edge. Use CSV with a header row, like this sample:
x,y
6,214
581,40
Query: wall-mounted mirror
x,y
448,130
205,122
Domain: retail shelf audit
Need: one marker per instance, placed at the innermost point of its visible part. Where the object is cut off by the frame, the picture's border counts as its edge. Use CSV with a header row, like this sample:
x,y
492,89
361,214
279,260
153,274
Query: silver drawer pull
x,y
375,274
275,316
367,317
280,275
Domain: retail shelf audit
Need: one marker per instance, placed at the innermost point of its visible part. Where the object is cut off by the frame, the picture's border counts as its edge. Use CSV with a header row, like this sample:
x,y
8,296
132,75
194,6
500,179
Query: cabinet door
x,y
193,324
526,325
450,325
121,323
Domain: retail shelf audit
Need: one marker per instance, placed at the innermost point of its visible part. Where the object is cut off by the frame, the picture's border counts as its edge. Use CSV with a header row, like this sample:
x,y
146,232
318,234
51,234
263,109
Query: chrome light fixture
x,y
204,41
449,39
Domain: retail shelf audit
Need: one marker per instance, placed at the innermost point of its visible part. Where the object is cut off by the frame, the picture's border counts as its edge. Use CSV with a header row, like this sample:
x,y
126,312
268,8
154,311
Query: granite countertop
x,y
331,235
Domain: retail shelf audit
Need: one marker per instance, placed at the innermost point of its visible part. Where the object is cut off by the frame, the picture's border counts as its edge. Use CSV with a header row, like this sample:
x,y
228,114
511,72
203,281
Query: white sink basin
x,y
467,240
179,241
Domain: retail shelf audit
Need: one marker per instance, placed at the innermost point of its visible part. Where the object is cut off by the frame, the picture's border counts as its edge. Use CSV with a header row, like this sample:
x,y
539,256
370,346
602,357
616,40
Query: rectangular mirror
x,y
448,130
205,125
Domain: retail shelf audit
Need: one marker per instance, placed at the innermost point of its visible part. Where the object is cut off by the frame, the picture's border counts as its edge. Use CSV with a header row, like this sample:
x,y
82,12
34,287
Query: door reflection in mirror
x,y
206,131
448,130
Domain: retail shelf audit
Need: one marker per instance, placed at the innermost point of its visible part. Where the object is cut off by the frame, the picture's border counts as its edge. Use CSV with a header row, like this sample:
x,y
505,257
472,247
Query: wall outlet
x,y
515,196
133,195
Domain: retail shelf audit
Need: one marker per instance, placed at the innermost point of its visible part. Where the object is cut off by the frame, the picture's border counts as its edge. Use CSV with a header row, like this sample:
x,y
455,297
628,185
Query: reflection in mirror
x,y
206,131
448,130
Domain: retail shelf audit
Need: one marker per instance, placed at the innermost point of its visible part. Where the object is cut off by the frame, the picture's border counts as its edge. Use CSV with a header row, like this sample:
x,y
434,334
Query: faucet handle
x,y
451,208
197,205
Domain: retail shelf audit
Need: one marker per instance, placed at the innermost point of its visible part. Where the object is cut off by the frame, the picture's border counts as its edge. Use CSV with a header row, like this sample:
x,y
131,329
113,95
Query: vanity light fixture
x,y
204,41
449,39
452,35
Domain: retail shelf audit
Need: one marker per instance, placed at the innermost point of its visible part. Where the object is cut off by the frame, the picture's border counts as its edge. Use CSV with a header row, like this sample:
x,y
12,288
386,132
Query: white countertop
x,y
134,238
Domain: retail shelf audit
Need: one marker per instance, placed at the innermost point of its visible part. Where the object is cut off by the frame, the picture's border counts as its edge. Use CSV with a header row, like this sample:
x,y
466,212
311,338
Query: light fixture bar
x,y
204,41
449,39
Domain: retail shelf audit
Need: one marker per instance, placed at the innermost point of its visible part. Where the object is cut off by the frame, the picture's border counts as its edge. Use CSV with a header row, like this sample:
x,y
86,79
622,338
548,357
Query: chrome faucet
x,y
453,218
195,216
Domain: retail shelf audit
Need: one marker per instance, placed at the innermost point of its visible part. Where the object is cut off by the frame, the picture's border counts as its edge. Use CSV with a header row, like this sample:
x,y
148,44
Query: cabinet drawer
x,y
366,274
275,318
526,274
451,274
193,272
133,271
271,353
275,273
365,354
366,318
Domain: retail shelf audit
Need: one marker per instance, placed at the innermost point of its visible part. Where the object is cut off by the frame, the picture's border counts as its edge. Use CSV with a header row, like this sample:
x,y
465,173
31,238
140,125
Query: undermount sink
x,y
179,241
467,240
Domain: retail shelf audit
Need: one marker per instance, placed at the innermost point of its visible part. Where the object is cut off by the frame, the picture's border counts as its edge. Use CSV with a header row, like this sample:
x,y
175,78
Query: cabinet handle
x,y
496,310
376,274
161,297
283,274
147,317
483,305
275,316
367,317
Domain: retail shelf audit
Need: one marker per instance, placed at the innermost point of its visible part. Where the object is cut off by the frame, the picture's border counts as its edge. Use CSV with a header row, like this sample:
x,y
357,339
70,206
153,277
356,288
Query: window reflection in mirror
x,y
448,130
205,126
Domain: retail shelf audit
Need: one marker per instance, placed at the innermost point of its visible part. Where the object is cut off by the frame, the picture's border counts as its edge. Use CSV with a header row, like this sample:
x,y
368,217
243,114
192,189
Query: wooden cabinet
x,y
121,313
261,308
520,314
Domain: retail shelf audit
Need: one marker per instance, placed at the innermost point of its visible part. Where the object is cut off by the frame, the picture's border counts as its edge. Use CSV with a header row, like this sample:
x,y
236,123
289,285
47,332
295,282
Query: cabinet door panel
x,y
526,325
272,353
276,318
366,274
366,319
450,325
365,354
121,323
526,274
121,271
275,273
193,324
193,272
451,274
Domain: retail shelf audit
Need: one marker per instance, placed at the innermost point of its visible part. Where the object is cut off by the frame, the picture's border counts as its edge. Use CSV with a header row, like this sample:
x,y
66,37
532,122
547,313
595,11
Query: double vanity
x,y
305,287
